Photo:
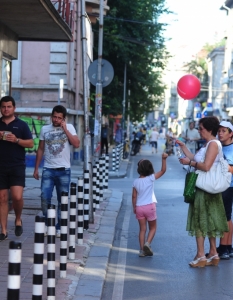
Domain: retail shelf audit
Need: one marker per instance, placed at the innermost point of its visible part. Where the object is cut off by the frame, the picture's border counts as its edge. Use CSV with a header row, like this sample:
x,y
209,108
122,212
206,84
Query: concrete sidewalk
x,y
86,274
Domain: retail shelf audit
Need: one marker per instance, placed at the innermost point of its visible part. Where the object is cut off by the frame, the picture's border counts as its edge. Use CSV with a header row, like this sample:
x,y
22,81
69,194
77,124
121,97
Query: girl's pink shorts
x,y
147,212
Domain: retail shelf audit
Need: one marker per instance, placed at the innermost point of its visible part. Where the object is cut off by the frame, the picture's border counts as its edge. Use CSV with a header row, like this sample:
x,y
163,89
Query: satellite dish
x,y
107,72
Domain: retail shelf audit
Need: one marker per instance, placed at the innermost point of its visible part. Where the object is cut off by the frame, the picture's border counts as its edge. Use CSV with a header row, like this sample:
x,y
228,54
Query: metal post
x,y
99,87
87,136
123,103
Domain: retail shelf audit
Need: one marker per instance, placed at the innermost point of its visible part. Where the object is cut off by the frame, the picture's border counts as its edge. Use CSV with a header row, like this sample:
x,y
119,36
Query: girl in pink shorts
x,y
144,202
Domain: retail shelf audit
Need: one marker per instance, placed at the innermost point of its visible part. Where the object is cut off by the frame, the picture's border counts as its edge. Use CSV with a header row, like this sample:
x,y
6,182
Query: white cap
x,y
226,124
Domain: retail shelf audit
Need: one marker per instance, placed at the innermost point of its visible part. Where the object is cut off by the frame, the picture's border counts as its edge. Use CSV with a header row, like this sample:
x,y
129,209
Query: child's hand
x,y
164,155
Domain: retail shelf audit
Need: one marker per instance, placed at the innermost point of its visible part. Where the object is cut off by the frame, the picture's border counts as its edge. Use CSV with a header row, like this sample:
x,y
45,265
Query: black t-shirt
x,y
12,154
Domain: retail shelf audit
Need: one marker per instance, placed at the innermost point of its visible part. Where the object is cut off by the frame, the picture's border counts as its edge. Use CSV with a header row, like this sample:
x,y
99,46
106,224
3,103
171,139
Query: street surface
x,y
166,275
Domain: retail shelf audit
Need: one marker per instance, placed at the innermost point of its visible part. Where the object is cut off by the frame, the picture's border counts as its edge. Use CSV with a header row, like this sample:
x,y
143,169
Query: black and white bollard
x,y
37,288
117,157
106,172
101,169
86,199
64,232
114,159
97,197
14,263
51,252
80,211
94,179
72,234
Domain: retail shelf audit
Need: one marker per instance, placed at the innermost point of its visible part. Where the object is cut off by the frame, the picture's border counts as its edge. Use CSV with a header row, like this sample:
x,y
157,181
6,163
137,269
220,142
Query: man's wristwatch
x,y
17,141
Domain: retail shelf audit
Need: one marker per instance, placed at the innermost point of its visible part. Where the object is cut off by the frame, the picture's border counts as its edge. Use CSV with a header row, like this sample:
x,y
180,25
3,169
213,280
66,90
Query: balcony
x,y
92,9
38,20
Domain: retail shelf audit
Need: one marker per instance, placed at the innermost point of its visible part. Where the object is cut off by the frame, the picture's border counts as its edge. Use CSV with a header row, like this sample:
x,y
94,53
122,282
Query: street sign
x,y
107,72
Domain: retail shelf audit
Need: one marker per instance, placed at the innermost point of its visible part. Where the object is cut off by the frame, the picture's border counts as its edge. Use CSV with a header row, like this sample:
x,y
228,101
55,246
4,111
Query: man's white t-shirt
x,y
154,136
145,190
57,147
192,134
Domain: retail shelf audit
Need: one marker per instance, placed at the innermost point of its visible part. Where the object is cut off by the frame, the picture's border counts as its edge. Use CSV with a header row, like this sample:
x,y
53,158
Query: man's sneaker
x,y
58,233
224,256
45,230
231,252
3,237
147,249
141,253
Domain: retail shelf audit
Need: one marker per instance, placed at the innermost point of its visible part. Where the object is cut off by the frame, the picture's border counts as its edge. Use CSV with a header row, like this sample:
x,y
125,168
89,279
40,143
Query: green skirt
x,y
206,216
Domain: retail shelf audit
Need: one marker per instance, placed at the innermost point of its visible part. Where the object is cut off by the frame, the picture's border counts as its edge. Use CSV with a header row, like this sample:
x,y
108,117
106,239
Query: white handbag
x,y
217,179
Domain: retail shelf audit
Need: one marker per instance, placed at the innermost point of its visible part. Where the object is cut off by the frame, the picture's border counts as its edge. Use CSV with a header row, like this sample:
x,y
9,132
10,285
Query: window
x,y
6,77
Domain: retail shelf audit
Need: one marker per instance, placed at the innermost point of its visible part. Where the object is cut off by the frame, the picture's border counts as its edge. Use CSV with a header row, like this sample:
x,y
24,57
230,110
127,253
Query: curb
x,y
90,276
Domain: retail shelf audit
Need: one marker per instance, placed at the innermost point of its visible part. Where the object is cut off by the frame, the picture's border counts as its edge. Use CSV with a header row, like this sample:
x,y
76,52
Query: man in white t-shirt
x,y
154,140
191,137
55,141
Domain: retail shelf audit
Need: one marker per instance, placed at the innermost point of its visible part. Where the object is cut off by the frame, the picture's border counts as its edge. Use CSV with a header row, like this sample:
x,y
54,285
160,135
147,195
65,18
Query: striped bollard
x,y
101,163
94,179
106,172
97,198
51,252
73,200
117,158
64,231
122,150
37,288
14,263
80,211
86,200
114,159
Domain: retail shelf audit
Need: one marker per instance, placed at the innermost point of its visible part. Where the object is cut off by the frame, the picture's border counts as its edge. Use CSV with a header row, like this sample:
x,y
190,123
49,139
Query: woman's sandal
x,y
213,260
199,262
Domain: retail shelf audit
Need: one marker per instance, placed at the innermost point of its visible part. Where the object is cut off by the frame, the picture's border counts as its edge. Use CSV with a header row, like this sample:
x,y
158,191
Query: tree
x,y
199,67
133,34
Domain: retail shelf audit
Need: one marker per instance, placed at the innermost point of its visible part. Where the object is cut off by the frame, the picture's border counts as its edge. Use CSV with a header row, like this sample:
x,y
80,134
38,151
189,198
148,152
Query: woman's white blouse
x,y
198,156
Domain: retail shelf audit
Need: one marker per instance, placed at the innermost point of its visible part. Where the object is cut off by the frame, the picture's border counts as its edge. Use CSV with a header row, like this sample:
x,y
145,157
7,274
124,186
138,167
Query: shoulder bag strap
x,y
219,149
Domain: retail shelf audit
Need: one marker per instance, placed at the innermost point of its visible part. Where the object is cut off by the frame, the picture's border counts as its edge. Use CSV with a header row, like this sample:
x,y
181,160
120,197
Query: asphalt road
x,y
166,275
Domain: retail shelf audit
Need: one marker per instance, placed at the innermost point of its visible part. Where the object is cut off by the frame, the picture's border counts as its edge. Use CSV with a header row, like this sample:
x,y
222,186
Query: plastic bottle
x,y
179,152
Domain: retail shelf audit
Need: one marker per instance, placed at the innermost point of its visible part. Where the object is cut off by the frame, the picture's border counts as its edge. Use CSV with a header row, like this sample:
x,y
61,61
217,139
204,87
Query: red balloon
x,y
188,87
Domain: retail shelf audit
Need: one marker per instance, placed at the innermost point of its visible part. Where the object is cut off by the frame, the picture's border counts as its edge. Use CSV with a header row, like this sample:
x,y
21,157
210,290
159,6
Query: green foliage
x,y
133,37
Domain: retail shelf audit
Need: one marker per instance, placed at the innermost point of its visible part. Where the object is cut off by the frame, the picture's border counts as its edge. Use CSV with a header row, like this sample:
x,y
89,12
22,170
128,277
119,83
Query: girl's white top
x,y
145,190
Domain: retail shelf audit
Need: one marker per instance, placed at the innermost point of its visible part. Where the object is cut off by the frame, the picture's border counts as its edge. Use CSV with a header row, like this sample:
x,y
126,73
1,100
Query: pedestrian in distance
x,y
15,136
54,144
225,135
206,216
118,135
104,138
154,140
144,202
191,137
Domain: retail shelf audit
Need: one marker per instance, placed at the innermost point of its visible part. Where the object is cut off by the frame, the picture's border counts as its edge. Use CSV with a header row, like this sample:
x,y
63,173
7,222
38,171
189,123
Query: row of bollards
x,y
79,205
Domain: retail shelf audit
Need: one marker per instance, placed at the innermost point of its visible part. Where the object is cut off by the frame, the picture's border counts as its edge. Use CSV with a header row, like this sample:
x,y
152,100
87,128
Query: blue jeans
x,y
50,178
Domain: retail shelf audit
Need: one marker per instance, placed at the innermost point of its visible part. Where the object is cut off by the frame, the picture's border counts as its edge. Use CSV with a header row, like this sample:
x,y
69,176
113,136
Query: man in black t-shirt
x,y
15,136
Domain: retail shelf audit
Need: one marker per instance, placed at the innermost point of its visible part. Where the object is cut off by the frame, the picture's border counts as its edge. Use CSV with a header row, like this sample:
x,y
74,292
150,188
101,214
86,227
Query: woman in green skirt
x,y
206,216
